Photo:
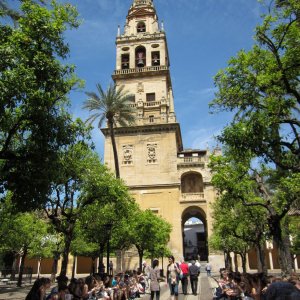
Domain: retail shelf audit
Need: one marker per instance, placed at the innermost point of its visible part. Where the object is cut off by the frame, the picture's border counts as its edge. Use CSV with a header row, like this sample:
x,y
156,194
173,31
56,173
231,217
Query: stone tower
x,y
172,182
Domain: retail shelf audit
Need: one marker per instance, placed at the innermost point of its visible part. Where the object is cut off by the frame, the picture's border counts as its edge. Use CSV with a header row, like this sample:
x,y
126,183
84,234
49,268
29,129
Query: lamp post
x,y
108,228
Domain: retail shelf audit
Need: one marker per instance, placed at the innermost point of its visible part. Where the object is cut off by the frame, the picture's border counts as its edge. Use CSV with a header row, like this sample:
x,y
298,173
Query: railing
x,y
192,197
152,103
191,159
140,70
132,105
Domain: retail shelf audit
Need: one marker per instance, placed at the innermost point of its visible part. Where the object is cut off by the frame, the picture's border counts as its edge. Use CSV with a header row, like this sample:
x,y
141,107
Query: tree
x,y
148,232
98,216
24,235
34,123
82,181
261,87
294,229
237,227
81,245
112,105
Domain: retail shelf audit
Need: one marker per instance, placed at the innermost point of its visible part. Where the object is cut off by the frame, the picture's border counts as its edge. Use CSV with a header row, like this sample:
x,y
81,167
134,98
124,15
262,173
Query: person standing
x,y
197,263
146,272
208,269
154,275
173,272
185,273
194,272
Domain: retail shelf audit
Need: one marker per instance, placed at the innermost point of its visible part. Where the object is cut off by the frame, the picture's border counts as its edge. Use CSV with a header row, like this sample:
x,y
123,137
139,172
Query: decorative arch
x,y
192,182
194,237
140,56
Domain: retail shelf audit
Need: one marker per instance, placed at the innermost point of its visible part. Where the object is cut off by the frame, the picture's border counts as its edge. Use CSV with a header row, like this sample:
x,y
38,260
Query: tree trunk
x,y
65,254
14,268
141,254
93,271
21,271
123,260
114,146
74,266
228,263
261,263
283,245
54,266
244,262
101,266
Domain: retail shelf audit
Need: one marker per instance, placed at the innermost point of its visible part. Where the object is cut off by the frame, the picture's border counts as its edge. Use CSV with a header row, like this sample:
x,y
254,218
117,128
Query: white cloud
x,y
203,137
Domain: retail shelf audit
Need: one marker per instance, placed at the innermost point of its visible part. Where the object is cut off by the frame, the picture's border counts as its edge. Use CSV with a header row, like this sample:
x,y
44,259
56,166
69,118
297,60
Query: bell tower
x,y
161,175
142,64
148,150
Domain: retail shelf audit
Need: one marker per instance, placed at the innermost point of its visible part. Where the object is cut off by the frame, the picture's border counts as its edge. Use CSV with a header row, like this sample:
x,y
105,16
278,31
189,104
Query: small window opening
x,y
141,27
155,58
125,61
151,119
150,97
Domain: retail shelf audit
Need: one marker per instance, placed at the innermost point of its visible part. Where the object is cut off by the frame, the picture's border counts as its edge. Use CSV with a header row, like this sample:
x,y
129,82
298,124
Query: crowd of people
x,y
119,287
133,284
122,286
237,286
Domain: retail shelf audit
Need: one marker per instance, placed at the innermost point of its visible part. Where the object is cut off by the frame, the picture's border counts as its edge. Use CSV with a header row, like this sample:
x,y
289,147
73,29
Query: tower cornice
x,y
148,129
124,39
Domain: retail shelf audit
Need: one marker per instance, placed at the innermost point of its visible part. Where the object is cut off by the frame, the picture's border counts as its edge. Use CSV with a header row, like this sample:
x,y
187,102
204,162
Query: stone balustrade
x,y
141,70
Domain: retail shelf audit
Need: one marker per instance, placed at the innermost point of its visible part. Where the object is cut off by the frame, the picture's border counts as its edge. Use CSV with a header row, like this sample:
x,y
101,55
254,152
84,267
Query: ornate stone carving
x,y
128,155
152,153
140,87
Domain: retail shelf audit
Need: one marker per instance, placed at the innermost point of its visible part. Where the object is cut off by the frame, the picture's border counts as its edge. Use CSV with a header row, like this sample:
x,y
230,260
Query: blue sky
x,y
202,35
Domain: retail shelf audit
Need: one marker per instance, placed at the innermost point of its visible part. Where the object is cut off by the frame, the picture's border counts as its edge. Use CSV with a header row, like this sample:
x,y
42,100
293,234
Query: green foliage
x,y
261,87
113,106
34,85
81,245
23,230
149,232
294,227
98,215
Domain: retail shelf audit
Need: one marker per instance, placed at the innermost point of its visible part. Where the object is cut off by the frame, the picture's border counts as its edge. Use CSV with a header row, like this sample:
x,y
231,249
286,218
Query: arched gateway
x,y
194,234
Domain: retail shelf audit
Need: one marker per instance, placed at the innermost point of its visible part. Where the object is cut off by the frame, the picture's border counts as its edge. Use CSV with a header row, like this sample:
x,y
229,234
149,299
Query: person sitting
x,y
61,294
38,290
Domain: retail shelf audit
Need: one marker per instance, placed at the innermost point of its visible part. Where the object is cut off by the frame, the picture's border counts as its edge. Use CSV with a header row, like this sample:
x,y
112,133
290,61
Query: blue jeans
x,y
173,288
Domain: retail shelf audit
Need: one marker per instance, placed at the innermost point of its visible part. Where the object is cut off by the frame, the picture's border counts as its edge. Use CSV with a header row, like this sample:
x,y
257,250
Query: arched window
x,y
155,58
125,61
141,27
140,57
192,183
